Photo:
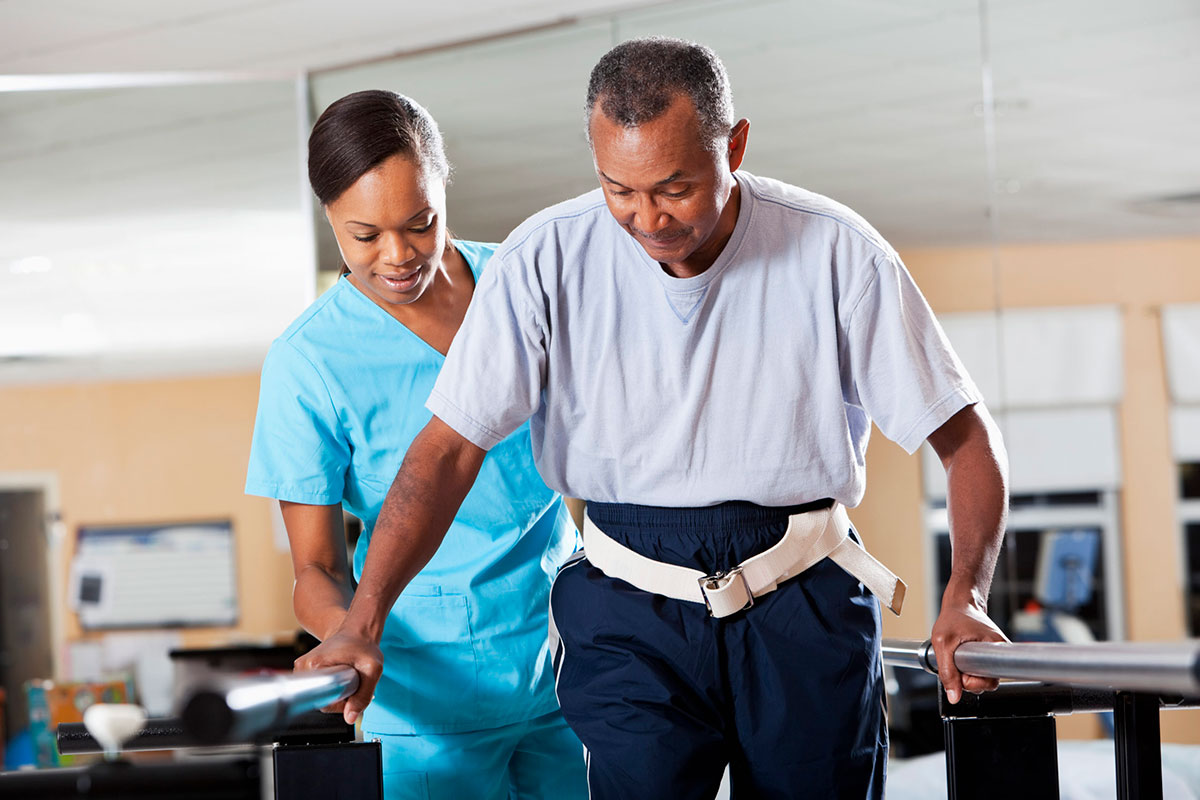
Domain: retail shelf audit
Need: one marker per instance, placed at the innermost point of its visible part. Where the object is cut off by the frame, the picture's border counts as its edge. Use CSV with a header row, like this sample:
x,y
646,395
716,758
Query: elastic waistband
x,y
731,514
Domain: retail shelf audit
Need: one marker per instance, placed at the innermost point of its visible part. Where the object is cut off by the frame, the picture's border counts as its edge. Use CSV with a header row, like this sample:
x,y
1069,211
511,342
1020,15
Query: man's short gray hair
x,y
636,81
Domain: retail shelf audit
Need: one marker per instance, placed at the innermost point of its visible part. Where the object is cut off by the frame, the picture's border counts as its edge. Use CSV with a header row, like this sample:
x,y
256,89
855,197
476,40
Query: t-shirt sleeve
x,y
898,364
495,370
298,452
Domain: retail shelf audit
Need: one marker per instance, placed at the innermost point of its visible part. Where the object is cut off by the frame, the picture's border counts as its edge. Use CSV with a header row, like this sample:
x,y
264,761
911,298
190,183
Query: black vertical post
x,y
1138,747
994,755
999,759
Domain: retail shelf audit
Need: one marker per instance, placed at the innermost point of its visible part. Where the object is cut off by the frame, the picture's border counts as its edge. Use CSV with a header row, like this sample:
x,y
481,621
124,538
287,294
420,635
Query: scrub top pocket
x,y
432,671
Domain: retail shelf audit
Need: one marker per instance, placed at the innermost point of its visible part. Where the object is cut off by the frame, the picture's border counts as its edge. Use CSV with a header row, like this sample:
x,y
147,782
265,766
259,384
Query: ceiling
x,y
83,36
167,226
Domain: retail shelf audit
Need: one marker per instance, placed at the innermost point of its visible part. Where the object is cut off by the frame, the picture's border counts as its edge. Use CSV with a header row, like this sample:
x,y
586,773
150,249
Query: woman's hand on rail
x,y
345,648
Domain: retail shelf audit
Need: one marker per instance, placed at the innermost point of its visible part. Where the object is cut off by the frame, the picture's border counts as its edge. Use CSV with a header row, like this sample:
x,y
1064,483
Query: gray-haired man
x,y
702,352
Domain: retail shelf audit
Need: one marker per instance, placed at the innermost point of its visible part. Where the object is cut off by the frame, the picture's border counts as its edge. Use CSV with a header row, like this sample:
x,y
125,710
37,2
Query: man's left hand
x,y
963,619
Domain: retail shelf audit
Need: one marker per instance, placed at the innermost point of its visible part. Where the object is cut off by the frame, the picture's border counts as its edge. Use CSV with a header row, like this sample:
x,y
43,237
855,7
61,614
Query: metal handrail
x,y
237,710
1159,668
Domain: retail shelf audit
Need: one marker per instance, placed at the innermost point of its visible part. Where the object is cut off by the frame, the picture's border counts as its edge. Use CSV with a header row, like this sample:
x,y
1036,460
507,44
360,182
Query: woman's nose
x,y
396,249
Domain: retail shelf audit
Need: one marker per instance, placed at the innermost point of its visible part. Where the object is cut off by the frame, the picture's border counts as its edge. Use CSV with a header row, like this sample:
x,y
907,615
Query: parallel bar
x,y
164,733
1028,699
1171,668
168,733
909,653
237,710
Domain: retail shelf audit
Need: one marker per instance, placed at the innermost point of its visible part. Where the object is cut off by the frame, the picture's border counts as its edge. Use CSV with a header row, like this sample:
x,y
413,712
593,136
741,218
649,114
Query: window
x,y
1060,555
1189,519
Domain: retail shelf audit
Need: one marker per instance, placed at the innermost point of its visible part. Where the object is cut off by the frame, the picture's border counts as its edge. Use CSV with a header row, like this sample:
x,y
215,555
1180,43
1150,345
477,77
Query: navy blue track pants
x,y
788,693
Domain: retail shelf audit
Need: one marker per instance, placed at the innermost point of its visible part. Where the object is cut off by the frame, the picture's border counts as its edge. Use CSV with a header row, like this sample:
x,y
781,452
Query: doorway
x,y
26,637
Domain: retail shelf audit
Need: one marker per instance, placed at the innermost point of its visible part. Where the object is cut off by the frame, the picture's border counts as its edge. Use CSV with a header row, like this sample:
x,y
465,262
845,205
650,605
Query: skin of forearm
x,y
438,471
320,600
977,503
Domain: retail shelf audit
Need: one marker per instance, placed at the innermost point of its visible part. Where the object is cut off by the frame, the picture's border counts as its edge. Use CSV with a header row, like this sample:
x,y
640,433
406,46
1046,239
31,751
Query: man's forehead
x,y
673,132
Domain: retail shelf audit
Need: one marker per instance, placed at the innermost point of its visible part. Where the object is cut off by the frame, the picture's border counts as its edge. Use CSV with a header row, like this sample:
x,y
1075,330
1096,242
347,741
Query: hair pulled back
x,y
362,130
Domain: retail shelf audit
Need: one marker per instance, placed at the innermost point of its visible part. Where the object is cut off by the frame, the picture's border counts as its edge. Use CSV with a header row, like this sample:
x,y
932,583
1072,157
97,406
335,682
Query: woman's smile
x,y
401,281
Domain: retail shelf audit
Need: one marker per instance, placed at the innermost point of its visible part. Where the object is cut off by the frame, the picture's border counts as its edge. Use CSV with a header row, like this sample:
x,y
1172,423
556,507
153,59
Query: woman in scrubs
x,y
466,705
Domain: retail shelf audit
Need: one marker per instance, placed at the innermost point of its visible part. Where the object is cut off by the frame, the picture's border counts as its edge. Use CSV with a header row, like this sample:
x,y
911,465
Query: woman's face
x,y
391,228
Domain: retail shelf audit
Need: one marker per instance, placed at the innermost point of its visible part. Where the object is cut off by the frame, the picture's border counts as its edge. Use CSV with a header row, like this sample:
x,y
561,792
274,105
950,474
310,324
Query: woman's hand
x,y
342,649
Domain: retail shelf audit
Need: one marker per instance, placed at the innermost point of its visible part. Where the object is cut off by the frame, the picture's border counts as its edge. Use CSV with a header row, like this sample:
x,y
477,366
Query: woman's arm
x,y
322,591
437,472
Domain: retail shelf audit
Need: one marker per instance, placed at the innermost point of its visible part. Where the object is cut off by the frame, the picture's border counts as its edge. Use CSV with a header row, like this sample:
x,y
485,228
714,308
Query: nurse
x,y
465,706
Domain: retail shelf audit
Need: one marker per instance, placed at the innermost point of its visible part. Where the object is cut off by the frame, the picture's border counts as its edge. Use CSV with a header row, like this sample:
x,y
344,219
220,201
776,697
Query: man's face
x,y
666,188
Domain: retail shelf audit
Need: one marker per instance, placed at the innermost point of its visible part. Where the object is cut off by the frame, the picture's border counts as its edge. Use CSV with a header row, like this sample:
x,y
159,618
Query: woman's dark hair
x,y
361,131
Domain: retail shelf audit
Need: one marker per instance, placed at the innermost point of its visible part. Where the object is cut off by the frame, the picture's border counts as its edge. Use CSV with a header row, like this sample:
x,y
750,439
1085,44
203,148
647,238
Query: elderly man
x,y
702,352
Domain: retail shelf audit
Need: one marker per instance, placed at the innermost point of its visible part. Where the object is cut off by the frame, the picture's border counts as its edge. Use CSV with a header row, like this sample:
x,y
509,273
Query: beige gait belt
x,y
810,537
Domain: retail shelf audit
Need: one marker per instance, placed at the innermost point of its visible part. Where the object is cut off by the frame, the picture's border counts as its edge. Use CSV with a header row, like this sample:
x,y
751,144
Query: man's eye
x,y
675,195
620,192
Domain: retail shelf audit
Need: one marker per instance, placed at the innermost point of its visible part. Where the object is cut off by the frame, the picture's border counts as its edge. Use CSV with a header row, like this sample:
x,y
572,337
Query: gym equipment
x,y
255,738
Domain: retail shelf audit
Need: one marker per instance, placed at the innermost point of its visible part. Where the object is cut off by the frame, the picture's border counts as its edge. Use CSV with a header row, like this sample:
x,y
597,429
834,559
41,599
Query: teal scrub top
x,y
342,397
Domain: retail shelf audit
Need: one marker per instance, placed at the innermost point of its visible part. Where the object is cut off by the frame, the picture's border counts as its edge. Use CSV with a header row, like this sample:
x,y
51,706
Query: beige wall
x,y
155,451
176,449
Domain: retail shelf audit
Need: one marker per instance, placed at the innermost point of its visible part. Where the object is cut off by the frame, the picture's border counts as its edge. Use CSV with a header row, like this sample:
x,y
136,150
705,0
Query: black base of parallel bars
x,y
296,772
1000,757
1002,744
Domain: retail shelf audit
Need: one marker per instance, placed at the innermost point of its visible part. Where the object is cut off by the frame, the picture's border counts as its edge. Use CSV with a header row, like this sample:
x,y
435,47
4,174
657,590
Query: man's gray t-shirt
x,y
756,380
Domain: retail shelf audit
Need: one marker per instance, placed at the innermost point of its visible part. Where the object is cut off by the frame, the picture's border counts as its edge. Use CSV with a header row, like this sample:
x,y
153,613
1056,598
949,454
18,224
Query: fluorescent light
x,y
31,265
130,80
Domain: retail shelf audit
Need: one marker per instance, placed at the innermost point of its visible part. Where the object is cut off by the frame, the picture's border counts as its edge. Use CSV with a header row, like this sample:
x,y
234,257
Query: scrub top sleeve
x,y
899,365
299,452
495,369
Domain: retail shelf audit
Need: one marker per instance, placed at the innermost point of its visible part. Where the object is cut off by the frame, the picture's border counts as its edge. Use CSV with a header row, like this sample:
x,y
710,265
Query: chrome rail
x,y
236,710
1167,668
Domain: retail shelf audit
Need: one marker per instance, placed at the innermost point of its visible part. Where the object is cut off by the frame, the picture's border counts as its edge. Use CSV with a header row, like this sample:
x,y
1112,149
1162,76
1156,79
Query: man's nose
x,y
647,217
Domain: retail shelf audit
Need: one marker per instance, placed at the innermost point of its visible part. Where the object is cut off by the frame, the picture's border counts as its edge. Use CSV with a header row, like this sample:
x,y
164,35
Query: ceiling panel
x,y
77,36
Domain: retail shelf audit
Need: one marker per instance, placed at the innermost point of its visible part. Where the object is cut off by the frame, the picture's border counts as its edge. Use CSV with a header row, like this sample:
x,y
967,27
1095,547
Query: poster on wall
x,y
154,576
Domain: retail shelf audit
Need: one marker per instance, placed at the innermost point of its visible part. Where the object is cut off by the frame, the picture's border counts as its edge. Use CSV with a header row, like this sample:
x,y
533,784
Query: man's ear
x,y
737,143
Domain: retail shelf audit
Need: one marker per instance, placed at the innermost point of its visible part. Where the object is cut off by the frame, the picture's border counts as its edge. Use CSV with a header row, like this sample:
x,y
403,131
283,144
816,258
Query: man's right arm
x,y
438,470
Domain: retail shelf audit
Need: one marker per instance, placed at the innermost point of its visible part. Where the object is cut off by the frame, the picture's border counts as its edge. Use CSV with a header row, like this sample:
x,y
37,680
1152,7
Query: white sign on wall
x,y
154,576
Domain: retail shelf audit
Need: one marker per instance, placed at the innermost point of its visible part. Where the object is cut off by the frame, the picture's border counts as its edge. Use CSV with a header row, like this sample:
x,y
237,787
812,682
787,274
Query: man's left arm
x,y
976,465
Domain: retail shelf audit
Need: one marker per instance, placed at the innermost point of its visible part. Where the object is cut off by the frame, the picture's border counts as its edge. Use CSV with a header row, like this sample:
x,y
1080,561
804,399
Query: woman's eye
x,y
368,238
423,229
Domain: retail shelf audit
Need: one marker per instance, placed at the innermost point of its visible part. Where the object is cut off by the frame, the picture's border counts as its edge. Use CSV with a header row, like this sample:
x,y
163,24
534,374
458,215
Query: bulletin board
x,y
169,575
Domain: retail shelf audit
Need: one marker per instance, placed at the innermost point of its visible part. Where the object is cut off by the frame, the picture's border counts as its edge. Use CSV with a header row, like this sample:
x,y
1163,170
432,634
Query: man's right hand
x,y
342,649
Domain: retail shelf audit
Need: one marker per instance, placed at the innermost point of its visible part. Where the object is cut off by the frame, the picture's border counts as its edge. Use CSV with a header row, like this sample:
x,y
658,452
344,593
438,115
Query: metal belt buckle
x,y
719,580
